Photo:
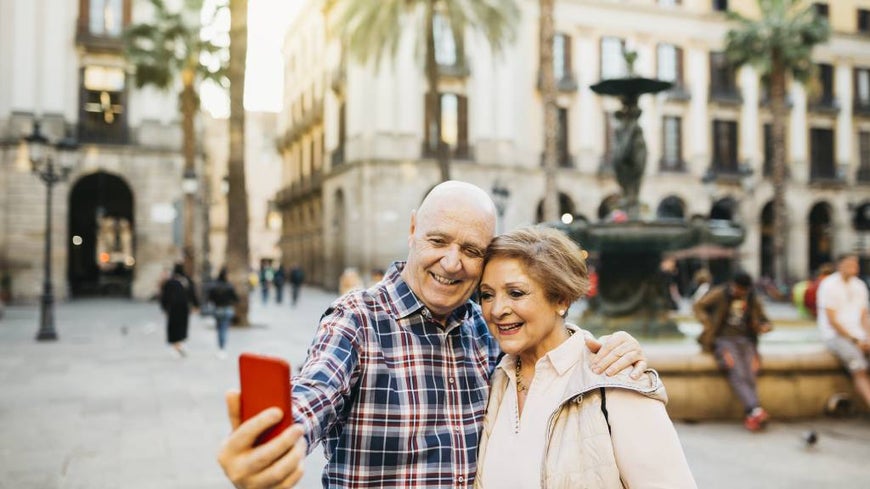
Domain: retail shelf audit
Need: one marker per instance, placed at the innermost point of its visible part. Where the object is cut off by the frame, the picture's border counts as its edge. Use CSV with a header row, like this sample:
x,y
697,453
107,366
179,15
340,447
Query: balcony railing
x,y
566,83
115,134
337,156
563,159
462,152
825,103
826,174
459,69
861,108
670,166
725,95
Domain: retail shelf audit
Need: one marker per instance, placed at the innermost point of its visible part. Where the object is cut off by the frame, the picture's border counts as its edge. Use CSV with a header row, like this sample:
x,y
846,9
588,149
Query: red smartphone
x,y
265,382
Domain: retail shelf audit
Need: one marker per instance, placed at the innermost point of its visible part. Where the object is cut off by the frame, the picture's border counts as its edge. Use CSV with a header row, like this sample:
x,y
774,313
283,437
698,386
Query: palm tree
x,y
371,29
778,44
238,253
548,100
163,51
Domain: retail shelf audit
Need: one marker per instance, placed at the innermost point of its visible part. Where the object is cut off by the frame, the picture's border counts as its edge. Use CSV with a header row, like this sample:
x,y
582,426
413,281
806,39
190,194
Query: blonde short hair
x,y
549,257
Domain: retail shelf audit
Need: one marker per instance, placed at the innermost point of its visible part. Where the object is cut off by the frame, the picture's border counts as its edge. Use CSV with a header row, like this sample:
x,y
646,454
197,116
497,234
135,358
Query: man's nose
x,y
452,259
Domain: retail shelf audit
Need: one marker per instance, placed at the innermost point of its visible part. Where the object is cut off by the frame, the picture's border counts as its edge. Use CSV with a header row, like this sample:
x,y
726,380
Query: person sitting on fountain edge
x,y
733,317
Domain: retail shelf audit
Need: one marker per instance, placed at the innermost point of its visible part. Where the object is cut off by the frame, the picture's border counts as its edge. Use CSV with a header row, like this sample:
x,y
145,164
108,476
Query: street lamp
x,y
51,165
500,196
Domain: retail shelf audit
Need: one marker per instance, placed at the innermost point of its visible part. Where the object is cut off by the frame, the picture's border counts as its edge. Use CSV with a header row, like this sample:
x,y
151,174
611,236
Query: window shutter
x,y
462,136
567,62
678,53
427,114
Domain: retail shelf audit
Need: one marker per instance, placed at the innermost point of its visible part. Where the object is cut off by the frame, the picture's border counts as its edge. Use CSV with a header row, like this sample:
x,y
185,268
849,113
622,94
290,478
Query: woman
x,y
176,296
551,422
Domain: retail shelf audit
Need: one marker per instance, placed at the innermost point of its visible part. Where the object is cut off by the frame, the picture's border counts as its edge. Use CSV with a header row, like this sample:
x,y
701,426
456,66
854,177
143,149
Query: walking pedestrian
x,y
396,380
266,275
733,317
223,296
297,277
844,321
349,280
278,281
177,295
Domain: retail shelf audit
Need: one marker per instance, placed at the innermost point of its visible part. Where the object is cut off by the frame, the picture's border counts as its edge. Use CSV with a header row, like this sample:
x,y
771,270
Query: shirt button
x,y
450,380
461,479
456,429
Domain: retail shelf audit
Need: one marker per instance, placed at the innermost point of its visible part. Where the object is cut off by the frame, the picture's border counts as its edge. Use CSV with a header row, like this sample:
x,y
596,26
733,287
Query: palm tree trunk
x,y
188,113
238,254
548,99
780,210
433,125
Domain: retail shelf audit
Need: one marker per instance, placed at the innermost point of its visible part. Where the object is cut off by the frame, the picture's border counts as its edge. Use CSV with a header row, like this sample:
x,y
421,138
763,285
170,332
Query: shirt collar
x,y
562,358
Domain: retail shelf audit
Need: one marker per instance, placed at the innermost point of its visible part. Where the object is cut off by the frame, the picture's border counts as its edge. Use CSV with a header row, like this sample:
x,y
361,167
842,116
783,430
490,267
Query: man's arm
x,y
319,394
617,352
838,327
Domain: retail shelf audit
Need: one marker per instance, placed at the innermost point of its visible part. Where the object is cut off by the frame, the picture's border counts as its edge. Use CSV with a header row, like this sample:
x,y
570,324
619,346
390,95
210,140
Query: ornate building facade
x,y
116,218
354,153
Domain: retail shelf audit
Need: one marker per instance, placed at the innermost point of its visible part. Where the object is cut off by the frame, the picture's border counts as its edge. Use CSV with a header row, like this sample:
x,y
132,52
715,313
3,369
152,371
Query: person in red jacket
x,y
810,294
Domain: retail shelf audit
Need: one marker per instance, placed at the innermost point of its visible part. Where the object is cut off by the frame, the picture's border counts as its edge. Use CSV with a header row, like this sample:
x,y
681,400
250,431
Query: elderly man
x,y
844,323
397,377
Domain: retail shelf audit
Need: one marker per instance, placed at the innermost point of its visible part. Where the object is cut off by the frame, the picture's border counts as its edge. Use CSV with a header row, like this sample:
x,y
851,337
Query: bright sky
x,y
264,81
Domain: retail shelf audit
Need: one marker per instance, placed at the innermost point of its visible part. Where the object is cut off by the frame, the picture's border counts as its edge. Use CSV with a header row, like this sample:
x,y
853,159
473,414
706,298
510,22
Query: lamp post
x,y
500,196
44,165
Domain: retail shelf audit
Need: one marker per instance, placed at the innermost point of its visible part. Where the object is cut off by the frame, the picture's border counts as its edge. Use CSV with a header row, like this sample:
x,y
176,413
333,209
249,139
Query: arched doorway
x,y
101,242
820,236
566,209
671,207
608,205
724,209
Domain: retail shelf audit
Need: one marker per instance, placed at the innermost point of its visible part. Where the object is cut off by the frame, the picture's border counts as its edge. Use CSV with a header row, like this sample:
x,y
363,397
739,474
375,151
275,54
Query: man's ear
x,y
413,227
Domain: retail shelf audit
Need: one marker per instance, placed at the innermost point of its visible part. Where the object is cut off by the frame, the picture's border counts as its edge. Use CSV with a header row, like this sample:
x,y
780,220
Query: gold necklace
x,y
521,387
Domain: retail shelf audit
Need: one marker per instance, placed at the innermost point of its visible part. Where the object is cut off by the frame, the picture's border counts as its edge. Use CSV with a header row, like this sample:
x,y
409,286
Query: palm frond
x,y
788,28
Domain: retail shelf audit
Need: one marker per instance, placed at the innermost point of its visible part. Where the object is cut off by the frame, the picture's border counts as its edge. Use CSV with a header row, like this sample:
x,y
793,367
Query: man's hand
x,y
616,352
274,464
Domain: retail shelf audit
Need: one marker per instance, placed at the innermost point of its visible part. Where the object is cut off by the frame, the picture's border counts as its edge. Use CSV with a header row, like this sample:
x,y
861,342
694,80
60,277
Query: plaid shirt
x,y
397,399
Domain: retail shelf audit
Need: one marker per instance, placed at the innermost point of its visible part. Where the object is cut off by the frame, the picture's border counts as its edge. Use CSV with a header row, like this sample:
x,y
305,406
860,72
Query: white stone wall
x,y
384,176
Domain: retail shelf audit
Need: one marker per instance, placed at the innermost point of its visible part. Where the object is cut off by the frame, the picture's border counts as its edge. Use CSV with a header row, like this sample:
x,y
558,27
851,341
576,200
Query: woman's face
x,y
517,311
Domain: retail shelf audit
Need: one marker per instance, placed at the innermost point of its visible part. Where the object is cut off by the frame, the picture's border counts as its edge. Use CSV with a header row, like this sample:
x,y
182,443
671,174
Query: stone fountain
x,y
631,292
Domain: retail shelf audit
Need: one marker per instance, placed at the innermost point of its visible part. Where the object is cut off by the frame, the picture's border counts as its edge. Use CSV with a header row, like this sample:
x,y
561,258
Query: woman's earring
x,y
561,312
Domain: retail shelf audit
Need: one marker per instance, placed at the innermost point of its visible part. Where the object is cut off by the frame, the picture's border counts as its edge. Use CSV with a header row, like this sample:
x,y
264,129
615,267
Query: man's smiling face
x,y
449,235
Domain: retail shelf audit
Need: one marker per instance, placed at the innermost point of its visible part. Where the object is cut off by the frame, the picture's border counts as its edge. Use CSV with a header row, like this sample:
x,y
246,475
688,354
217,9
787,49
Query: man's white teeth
x,y
443,280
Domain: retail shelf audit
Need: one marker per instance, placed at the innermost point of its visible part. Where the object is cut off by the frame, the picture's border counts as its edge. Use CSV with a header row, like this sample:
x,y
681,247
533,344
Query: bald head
x,y
454,196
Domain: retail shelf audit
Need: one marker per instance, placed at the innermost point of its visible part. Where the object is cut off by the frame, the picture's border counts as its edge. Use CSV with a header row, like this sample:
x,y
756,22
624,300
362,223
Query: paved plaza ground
x,y
108,406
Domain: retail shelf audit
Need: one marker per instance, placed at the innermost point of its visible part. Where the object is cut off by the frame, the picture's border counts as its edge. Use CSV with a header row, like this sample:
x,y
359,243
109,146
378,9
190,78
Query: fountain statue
x,y
631,292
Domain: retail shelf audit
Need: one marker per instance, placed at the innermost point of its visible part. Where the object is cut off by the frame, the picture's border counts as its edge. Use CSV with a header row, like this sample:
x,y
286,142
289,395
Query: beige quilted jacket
x,y
579,452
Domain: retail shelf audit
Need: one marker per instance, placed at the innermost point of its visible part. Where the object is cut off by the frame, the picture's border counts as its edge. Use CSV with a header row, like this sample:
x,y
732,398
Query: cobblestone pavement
x,y
109,406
